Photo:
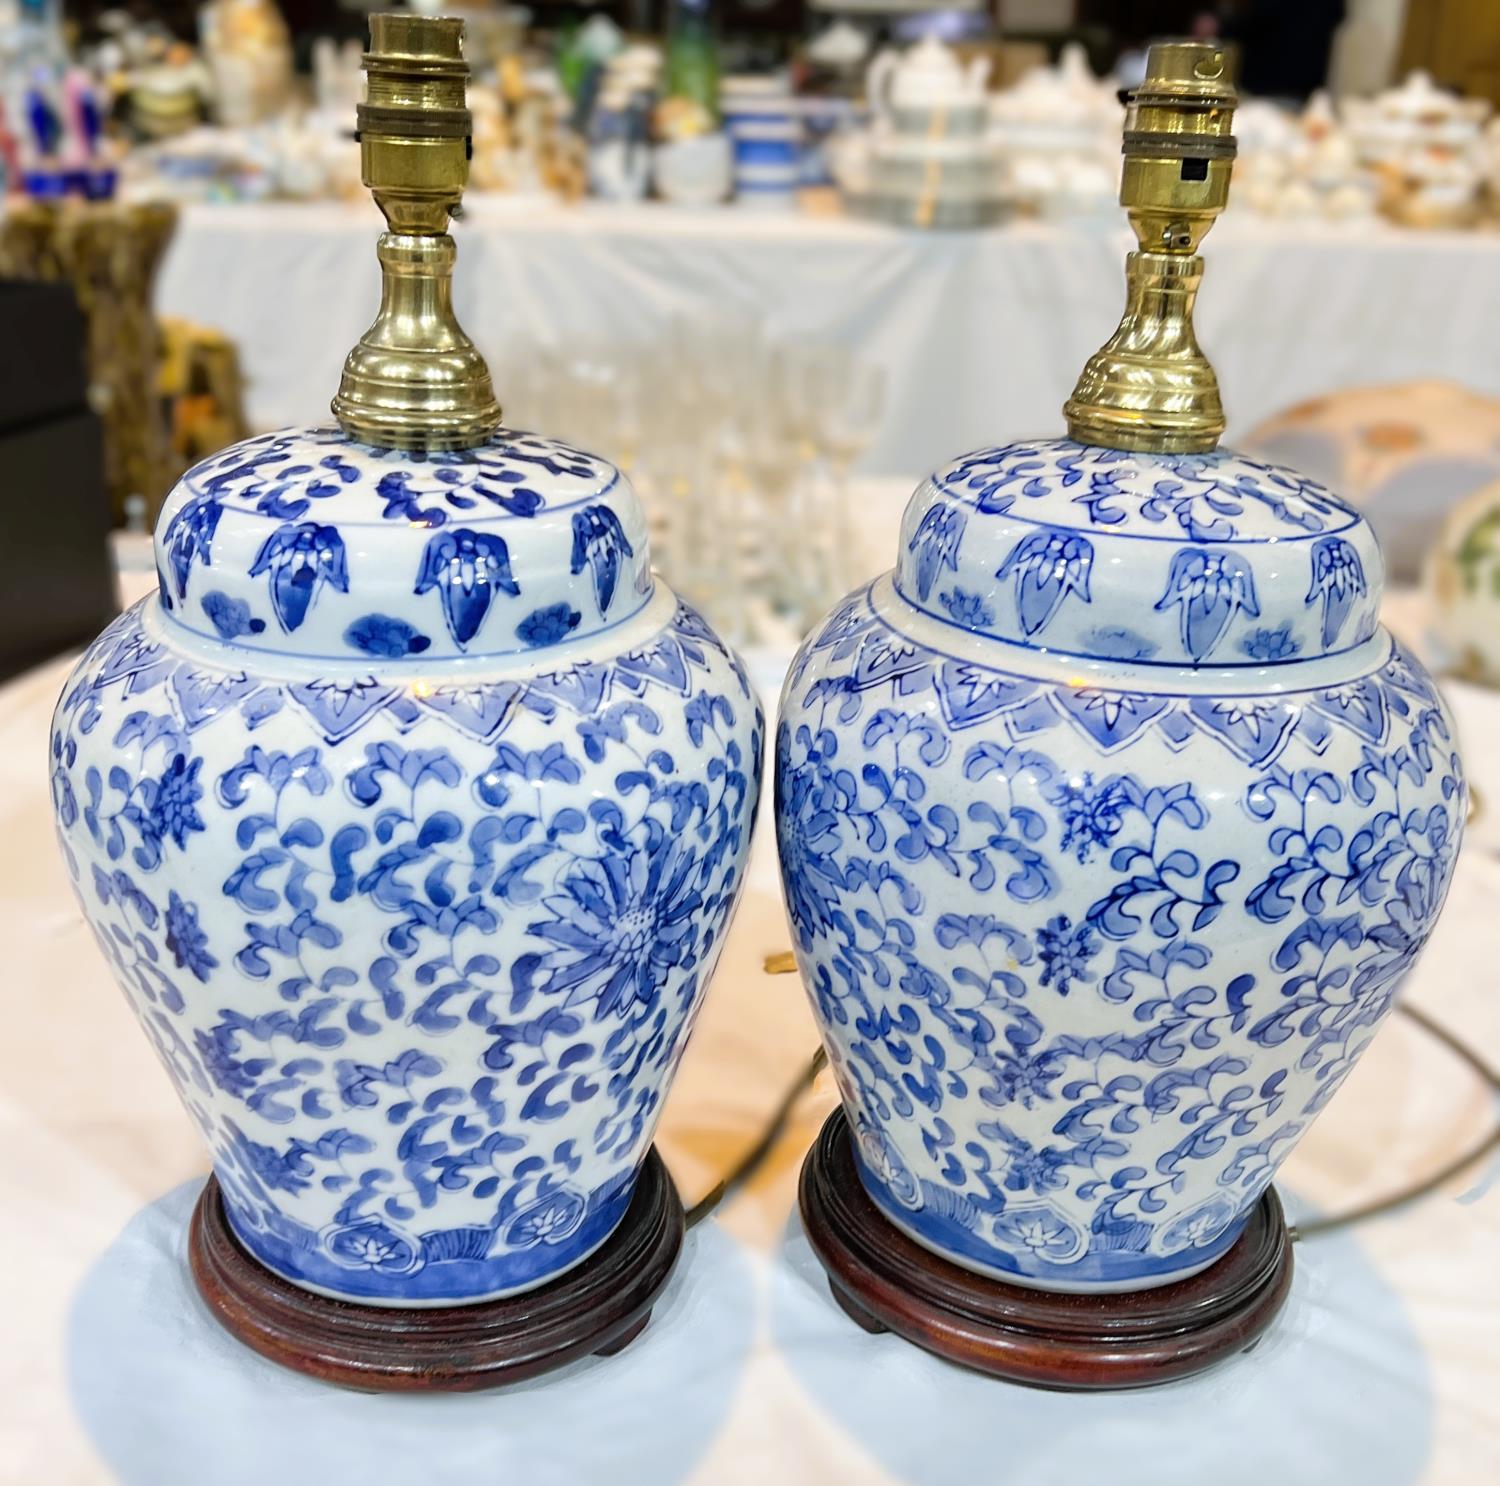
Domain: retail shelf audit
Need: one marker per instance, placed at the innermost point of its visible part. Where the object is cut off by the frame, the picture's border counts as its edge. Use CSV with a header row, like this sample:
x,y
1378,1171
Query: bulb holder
x,y
1150,387
416,380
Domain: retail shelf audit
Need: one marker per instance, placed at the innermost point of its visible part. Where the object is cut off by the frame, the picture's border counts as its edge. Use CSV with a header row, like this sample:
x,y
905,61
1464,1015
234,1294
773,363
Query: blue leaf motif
x,y
189,539
300,558
1210,587
467,568
600,541
935,543
1048,564
1339,577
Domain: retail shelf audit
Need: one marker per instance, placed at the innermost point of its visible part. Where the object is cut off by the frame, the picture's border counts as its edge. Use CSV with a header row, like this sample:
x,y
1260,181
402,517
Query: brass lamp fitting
x,y
1151,387
415,380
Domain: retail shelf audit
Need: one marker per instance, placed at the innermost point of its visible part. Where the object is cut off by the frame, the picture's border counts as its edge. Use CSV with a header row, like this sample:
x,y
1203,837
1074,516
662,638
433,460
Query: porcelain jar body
x,y
411,814
1110,823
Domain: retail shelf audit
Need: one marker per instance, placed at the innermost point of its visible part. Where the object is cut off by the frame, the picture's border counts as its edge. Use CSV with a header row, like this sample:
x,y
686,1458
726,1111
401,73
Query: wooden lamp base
x,y
599,1307
888,1282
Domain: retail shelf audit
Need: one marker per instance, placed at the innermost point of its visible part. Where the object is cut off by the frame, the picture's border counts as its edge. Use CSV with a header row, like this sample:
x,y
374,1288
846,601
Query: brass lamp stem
x,y
1150,387
415,380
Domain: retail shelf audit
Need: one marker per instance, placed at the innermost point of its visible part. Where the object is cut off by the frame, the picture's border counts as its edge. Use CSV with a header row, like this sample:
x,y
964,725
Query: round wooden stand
x,y
599,1307
888,1282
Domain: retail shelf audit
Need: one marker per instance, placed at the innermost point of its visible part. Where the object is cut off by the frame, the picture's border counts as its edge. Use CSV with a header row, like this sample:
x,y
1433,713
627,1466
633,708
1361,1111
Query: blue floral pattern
x,y
303,543
1089,960
297,560
1213,497
421,957
1208,587
1164,559
1338,578
289,474
468,569
1048,565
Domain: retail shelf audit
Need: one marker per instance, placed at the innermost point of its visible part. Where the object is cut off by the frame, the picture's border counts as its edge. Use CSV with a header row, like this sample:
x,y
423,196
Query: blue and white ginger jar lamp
x,y
411,813
1111,820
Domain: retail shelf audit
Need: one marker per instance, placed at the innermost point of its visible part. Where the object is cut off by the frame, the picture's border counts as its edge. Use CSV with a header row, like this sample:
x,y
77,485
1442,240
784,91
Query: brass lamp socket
x,y
416,380
1150,387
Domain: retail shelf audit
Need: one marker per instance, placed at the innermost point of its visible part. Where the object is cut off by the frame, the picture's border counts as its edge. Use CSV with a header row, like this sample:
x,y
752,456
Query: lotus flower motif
x,y
1211,586
1339,578
467,568
300,558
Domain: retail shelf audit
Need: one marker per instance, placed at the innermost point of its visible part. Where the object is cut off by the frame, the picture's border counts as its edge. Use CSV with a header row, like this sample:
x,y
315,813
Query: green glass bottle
x,y
693,55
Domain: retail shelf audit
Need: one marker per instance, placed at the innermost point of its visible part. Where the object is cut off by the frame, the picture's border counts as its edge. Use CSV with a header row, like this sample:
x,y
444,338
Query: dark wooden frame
x,y
888,1282
599,1307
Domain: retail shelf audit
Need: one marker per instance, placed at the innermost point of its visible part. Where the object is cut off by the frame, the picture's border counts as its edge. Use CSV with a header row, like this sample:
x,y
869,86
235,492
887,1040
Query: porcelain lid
x,y
305,543
1166,559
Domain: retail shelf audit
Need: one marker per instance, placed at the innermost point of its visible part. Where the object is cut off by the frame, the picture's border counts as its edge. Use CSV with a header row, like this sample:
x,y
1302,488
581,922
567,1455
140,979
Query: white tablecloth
x,y
982,333
1382,1370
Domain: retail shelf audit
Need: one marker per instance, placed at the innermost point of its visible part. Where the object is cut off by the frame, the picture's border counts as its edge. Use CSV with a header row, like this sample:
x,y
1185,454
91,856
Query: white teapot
x,y
930,76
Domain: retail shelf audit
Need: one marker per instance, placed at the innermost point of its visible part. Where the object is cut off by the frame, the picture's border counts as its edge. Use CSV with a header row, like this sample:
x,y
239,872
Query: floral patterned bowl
x,y
1110,823
411,815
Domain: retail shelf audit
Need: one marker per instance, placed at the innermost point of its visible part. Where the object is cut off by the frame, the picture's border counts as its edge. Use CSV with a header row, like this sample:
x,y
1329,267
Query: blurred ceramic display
x,y
1463,589
838,53
928,160
1306,166
1059,130
929,87
295,159
338,79
764,123
168,98
524,139
694,172
1462,581
411,812
1405,454
249,53
1428,148
619,130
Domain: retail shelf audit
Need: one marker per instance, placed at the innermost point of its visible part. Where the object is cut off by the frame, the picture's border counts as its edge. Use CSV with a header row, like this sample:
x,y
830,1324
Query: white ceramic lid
x,y
305,543
1164,559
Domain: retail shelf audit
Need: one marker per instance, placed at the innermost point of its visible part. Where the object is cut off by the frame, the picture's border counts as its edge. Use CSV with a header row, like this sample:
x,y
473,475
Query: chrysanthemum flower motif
x,y
1339,578
300,558
186,940
467,568
171,802
1048,565
619,927
1210,587
935,545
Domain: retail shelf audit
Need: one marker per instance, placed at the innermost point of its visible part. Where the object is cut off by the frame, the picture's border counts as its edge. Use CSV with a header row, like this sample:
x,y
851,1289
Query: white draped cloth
x,y
980,333
1383,1369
